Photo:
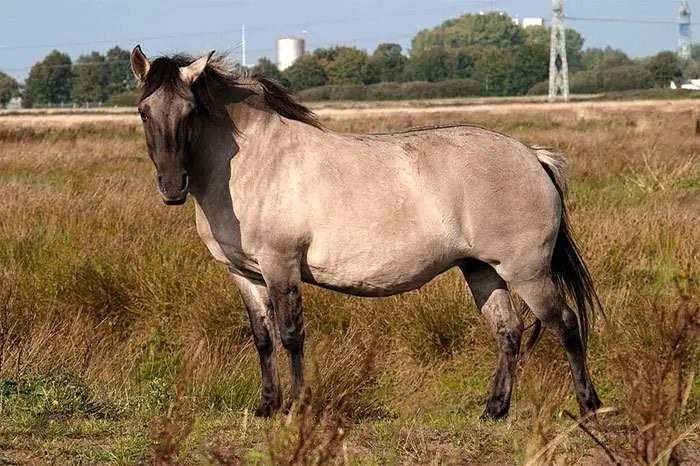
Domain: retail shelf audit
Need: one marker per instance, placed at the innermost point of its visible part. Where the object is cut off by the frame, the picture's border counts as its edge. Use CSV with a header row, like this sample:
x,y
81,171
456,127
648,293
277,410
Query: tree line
x,y
469,55
57,79
480,54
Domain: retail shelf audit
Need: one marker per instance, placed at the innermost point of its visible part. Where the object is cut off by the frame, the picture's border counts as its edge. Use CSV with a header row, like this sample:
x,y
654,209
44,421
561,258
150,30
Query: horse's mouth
x,y
176,201
174,189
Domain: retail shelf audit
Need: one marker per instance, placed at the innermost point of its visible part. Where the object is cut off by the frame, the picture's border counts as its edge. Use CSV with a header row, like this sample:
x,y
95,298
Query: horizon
x,y
355,23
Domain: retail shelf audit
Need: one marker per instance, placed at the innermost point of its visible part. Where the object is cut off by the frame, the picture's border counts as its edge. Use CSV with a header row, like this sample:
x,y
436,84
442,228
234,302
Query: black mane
x,y
218,76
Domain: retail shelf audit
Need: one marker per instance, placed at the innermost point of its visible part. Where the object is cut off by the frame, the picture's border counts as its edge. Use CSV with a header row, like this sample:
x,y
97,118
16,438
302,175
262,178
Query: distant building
x,y
532,21
15,102
528,21
692,85
289,50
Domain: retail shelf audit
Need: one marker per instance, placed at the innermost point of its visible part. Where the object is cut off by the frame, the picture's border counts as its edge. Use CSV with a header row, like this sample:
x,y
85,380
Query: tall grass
x,y
122,341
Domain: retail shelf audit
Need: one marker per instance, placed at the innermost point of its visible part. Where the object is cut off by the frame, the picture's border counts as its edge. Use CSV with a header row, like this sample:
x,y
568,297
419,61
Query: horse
x,y
281,200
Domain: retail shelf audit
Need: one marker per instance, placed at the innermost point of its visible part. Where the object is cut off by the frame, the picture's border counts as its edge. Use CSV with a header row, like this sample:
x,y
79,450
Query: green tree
x,y
494,69
530,65
388,62
119,75
9,88
306,72
608,57
327,55
434,64
266,68
349,66
691,69
49,80
664,67
462,61
492,29
90,79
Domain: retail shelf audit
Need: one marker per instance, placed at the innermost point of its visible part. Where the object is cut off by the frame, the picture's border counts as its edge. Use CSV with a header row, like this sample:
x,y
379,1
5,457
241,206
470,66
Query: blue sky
x,y
29,29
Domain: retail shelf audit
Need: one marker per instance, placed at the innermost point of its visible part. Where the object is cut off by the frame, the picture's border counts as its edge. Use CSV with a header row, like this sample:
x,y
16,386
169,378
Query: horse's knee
x,y
262,330
290,320
292,338
264,344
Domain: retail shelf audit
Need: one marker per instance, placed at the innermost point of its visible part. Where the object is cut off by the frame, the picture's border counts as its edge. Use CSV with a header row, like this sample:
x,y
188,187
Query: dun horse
x,y
281,200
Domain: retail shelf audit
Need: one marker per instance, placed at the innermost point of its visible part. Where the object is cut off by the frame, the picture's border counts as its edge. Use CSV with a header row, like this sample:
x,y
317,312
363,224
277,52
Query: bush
x,y
123,99
51,396
395,91
619,78
541,88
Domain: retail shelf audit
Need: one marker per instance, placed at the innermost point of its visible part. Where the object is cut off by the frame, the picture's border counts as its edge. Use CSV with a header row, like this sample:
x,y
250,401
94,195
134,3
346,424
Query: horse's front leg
x,y
283,279
261,315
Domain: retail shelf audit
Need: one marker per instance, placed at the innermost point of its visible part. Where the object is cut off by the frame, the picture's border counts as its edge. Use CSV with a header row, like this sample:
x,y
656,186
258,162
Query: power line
x,y
113,41
226,31
624,20
92,63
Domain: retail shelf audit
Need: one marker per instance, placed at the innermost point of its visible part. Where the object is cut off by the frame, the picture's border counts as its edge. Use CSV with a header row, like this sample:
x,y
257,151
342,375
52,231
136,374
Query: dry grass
x,y
121,341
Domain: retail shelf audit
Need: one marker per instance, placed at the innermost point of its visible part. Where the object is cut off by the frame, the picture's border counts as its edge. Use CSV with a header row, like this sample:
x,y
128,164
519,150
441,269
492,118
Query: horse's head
x,y
168,109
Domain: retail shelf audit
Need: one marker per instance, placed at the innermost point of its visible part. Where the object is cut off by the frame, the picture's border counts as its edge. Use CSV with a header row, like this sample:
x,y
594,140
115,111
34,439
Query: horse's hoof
x,y
495,411
265,410
589,407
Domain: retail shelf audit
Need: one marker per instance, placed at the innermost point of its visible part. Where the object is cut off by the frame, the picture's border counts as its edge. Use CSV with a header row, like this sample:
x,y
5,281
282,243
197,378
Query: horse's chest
x,y
223,241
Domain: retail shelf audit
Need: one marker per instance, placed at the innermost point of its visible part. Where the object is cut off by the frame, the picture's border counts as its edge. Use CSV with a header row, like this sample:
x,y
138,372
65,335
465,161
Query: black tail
x,y
569,271
572,277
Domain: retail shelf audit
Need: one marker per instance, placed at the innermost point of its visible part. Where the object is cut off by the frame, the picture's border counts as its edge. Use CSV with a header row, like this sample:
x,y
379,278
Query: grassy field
x,y
121,341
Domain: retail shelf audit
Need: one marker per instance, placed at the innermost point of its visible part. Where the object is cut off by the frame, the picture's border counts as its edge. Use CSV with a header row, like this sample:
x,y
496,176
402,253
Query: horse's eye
x,y
143,114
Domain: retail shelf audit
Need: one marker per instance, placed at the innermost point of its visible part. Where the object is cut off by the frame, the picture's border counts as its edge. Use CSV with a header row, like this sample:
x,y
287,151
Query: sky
x,y
30,29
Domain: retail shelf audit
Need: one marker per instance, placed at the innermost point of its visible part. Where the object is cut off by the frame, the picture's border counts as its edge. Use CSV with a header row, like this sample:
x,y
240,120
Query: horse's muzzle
x,y
173,187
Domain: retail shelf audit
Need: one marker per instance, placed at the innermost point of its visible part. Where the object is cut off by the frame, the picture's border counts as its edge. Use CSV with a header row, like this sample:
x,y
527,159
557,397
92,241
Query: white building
x,y
527,22
692,85
532,21
15,102
289,50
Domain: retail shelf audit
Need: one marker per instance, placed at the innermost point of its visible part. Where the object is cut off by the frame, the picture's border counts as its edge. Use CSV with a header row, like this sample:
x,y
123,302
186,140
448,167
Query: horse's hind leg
x,y
548,305
492,299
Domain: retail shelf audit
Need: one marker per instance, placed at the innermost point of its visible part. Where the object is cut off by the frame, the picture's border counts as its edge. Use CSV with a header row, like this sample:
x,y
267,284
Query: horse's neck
x,y
228,157
211,170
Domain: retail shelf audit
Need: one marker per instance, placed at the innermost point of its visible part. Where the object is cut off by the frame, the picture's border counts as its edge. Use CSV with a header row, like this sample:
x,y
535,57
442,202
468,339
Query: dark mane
x,y
220,76
280,99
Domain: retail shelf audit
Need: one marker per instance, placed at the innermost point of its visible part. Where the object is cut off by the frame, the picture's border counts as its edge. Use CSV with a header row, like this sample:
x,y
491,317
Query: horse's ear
x,y
191,72
139,64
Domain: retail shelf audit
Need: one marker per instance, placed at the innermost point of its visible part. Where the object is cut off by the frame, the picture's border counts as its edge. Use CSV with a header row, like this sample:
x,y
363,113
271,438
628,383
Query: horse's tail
x,y
568,269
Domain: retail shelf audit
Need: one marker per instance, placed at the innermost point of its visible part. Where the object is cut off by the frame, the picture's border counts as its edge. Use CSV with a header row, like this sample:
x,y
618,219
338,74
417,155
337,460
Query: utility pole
x,y
558,66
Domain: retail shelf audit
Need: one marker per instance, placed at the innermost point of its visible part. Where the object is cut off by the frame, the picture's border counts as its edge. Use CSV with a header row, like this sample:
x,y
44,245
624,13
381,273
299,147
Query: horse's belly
x,y
376,273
